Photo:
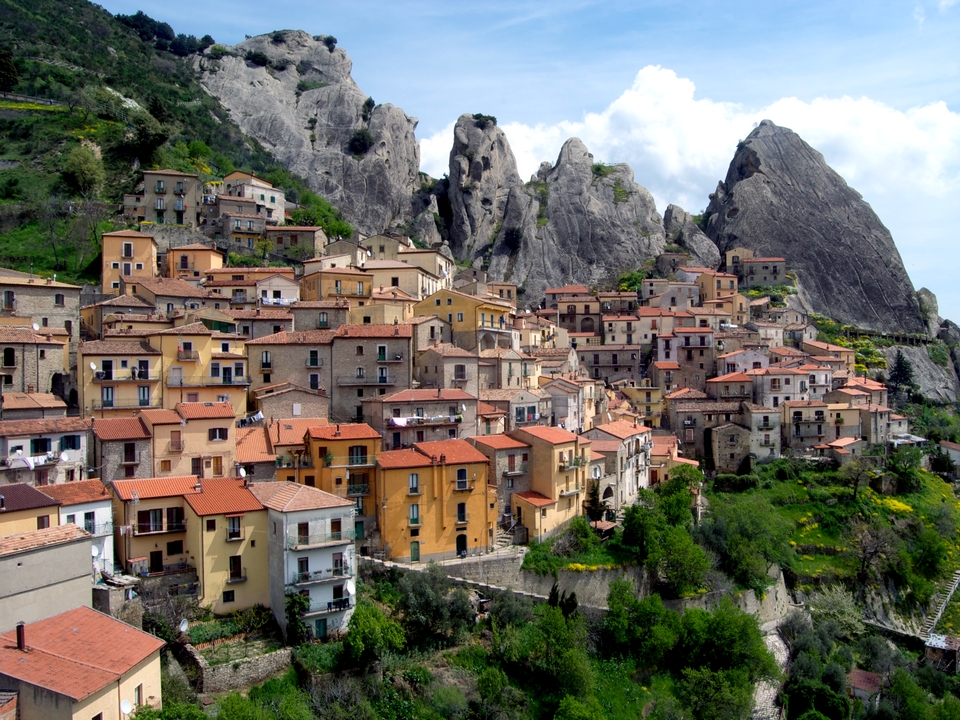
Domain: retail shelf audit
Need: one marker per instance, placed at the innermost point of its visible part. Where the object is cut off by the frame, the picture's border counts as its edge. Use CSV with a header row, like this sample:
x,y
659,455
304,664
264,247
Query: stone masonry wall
x,y
234,675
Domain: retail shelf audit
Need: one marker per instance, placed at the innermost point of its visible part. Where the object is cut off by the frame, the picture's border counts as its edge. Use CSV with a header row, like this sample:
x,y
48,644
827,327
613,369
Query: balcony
x,y
98,529
323,324
415,490
767,443
300,542
389,357
319,606
124,404
413,522
237,577
266,365
766,426
132,375
351,460
131,459
690,423
573,463
463,518
162,528
188,355
206,380
571,491
175,446
345,380
517,469
159,190
315,576
313,363
234,535
419,420
363,489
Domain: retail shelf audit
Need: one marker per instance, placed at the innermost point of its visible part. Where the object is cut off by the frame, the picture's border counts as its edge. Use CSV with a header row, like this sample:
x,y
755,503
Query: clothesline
x,y
243,422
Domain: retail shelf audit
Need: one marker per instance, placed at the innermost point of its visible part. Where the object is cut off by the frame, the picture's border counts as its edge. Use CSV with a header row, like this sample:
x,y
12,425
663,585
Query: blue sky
x,y
668,87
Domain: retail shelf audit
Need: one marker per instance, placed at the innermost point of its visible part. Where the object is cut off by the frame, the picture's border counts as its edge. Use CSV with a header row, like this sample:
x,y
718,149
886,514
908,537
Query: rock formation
x,y
937,382
683,231
304,107
577,221
780,198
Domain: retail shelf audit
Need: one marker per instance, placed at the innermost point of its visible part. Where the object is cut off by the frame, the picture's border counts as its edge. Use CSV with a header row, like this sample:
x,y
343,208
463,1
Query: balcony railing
x,y
205,380
571,491
123,404
517,469
234,535
765,426
574,463
313,363
413,522
319,606
767,443
237,577
390,357
463,518
351,460
131,459
329,538
175,446
305,578
373,380
164,527
418,420
188,355
361,489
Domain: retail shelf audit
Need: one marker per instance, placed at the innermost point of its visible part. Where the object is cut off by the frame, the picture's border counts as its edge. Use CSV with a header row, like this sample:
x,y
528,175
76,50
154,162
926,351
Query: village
x,y
233,434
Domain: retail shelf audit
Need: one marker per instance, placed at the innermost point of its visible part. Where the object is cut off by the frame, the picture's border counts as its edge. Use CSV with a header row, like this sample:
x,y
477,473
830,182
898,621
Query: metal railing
x,y
374,380
358,489
517,469
164,527
566,464
572,491
351,460
175,446
328,538
205,380
123,404
134,375
234,535
191,355
312,576
318,606
237,578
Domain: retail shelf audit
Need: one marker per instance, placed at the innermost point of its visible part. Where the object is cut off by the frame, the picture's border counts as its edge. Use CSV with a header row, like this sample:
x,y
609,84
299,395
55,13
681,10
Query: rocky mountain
x,y
294,94
780,198
682,230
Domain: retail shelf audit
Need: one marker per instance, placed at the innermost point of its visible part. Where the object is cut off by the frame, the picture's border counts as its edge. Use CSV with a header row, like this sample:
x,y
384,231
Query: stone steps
x,y
941,599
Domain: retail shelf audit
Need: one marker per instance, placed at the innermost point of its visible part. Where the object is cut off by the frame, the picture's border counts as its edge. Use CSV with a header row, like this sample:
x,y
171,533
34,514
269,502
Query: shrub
x,y
255,57
277,37
360,141
512,237
481,121
368,106
602,170
330,41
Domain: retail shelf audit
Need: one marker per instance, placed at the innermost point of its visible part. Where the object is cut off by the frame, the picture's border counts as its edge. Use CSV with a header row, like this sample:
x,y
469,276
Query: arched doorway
x,y
488,342
608,493
586,325
461,544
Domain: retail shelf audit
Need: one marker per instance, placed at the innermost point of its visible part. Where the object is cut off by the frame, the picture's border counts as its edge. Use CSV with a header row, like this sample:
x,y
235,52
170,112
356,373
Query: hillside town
x,y
232,433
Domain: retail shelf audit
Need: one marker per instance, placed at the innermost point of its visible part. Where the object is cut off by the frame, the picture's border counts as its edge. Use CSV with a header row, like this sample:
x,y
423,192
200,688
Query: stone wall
x,y
113,601
234,675
108,456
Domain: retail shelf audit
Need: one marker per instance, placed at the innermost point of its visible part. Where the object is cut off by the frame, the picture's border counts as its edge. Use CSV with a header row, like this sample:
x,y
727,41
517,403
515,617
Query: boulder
x,y
683,231
935,382
930,310
780,198
304,107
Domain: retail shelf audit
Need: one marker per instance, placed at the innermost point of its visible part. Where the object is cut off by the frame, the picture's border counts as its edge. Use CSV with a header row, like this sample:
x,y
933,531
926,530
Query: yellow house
x,y
411,279
386,306
344,457
817,348
51,668
193,260
647,399
558,480
336,283
126,252
118,377
149,523
476,322
224,522
714,285
23,508
433,501
195,438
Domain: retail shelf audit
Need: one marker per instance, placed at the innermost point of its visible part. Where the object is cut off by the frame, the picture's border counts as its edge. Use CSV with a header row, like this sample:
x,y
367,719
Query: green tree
x,y
432,613
715,695
9,74
593,506
370,634
572,708
360,141
901,381
83,171
836,604
170,711
904,462
294,608
855,475
643,629
683,562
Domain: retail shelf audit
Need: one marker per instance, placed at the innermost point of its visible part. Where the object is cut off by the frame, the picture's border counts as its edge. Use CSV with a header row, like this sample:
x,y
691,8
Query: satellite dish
x,y
93,366
63,457
36,327
94,550
243,473
184,625
351,587
125,707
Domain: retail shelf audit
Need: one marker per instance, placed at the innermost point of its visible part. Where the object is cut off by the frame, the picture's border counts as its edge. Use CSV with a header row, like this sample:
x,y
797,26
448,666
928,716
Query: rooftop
x,y
77,493
622,429
552,435
456,451
294,497
503,442
43,426
147,488
253,446
36,539
343,431
205,411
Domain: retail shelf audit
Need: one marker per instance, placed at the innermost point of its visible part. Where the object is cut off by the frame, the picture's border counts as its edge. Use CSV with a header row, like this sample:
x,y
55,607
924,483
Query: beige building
x,y
172,197
193,261
126,252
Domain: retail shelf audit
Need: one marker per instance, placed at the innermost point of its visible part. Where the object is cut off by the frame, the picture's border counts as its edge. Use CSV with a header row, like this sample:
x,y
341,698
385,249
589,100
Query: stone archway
x,y
587,325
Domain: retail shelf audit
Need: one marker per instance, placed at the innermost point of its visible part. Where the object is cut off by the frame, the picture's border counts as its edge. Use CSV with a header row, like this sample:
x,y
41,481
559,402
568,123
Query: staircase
x,y
940,599
504,539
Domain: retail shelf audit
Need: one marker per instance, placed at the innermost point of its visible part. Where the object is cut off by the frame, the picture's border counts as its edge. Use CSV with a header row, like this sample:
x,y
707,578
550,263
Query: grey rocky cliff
x,y
780,198
482,172
574,225
930,311
308,129
935,382
683,231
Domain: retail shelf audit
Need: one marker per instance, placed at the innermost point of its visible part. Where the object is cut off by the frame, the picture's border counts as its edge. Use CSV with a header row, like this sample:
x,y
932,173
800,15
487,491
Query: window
x,y
39,446
217,434
415,514
175,547
461,478
165,466
228,596
58,300
461,513
70,442
217,466
414,484
233,529
43,522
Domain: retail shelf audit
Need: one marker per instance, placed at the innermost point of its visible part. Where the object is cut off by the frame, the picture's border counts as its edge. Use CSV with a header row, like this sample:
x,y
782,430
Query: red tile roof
x,y
35,539
107,429
499,442
253,446
161,417
534,498
17,335
76,653
456,451
408,457
622,429
352,431
375,331
77,493
20,496
550,434
732,377
220,496
293,497
484,409
147,488
300,337
30,401
205,411
117,347
291,431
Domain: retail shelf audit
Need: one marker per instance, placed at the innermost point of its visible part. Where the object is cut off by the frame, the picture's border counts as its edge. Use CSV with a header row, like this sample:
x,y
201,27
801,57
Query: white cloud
x,y
919,14
906,163
945,5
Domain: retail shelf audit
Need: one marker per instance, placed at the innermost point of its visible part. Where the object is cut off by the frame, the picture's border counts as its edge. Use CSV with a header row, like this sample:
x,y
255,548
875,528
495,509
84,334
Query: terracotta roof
x,y
77,493
291,431
407,457
300,337
484,409
77,653
130,233
622,429
732,377
293,497
168,287
147,488
450,394
375,331
43,426
196,328
36,280
310,304
117,347
549,434
220,496
126,301
161,417
293,228
686,394
448,350
604,446
863,680
667,365
456,451
253,446
534,498
260,314
205,411
30,401
500,442
570,289
194,246
351,431
804,403
502,395
26,336
35,539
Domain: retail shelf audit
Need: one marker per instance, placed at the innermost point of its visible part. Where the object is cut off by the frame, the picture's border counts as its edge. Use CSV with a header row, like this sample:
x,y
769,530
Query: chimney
x,y
443,459
337,433
438,392
30,389
3,503
49,281
21,636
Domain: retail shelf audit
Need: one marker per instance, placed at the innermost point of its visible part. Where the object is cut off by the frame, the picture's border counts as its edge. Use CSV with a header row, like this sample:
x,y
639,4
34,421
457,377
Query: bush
x,y
360,141
330,41
255,57
736,483
481,121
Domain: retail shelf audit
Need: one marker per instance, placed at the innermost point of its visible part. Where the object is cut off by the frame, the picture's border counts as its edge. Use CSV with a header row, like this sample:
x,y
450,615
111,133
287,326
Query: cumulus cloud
x,y
906,162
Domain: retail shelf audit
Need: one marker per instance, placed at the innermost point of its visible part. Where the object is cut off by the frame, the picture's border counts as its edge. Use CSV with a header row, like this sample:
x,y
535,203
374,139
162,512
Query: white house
x,y
633,457
87,504
311,552
277,290
44,451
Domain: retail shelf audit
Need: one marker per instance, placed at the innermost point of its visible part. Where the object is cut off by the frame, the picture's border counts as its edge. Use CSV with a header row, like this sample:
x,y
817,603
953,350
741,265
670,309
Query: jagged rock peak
x,y
482,171
780,198
681,230
304,106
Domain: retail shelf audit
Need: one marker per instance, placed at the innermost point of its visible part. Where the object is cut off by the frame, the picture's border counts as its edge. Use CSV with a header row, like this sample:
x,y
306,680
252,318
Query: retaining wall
x,y
233,675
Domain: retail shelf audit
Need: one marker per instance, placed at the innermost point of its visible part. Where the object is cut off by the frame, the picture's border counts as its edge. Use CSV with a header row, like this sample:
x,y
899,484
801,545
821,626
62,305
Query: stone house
x,y
32,361
319,314
762,271
509,470
690,419
370,360
170,294
579,314
522,407
729,446
262,321
171,197
443,365
122,448
46,302
612,363
31,406
305,241
288,400
408,417
804,424
303,357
